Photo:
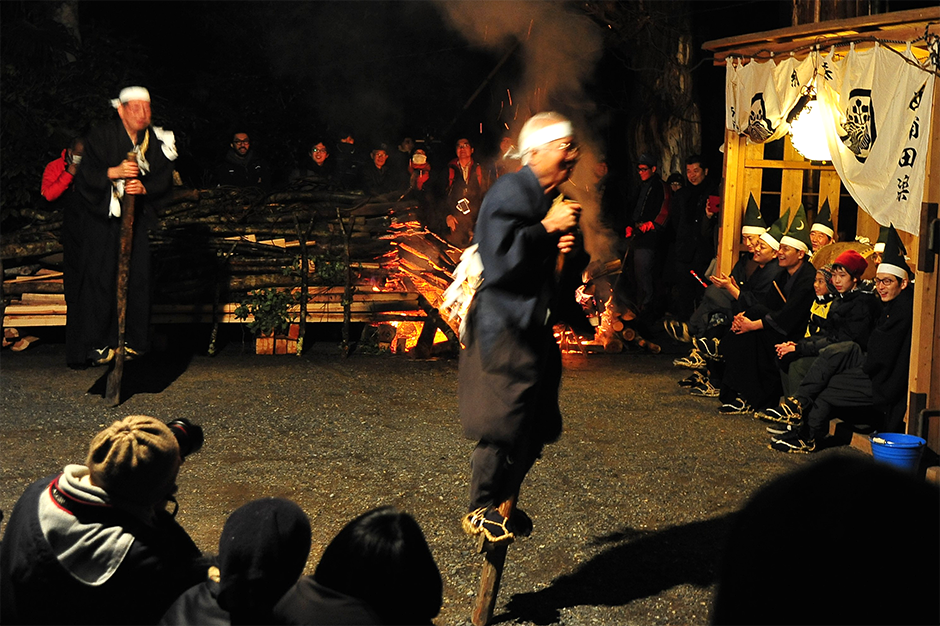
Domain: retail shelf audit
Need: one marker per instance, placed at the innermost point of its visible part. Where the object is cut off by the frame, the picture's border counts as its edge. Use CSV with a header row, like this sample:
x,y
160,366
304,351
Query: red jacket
x,y
56,178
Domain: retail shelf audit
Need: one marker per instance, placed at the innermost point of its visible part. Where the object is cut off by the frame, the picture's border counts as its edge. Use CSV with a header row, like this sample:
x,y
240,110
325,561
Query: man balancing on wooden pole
x,y
510,367
105,183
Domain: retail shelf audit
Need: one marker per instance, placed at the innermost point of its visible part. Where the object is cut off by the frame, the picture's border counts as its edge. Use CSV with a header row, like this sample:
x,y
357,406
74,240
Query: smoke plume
x,y
559,49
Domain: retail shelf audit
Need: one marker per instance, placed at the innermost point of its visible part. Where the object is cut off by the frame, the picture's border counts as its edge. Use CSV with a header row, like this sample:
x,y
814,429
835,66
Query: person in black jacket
x,y
242,166
263,549
377,570
695,211
750,378
649,213
95,544
510,369
846,374
101,183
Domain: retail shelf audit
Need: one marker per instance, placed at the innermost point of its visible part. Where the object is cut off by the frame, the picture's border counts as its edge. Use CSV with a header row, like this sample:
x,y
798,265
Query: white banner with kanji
x,y
876,107
760,95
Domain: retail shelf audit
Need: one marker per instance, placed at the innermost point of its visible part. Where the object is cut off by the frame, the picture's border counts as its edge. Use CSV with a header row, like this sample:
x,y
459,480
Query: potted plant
x,y
271,319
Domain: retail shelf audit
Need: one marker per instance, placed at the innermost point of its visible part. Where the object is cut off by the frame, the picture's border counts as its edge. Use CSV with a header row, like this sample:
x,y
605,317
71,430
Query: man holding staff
x,y
105,177
510,368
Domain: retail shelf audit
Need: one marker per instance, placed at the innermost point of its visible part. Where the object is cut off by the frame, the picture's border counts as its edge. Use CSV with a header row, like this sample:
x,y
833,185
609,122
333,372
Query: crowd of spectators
x,y
96,544
788,342
448,186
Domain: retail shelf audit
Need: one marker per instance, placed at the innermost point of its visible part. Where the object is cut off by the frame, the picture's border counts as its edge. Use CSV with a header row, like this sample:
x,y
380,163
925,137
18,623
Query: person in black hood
x,y
262,552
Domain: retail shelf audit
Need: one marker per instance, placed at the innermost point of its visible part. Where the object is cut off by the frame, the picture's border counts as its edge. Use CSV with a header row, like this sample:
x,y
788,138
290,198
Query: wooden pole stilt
x,y
494,560
112,394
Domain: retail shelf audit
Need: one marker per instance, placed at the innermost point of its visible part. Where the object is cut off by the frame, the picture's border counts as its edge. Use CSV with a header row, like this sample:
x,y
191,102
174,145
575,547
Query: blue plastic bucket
x,y
897,449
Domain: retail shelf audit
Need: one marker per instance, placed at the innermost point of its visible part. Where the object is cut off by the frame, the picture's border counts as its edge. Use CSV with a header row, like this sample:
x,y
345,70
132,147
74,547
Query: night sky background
x,y
288,72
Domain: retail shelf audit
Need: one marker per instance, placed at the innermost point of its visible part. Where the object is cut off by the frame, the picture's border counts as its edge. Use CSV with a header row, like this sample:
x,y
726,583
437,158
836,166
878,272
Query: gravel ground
x,y
631,506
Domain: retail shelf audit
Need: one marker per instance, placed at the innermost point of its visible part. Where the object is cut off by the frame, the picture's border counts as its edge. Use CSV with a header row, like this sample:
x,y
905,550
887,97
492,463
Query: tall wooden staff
x,y
112,394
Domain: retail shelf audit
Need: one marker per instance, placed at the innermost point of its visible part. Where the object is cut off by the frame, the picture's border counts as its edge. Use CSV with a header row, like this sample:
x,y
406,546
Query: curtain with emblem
x,y
876,109
760,95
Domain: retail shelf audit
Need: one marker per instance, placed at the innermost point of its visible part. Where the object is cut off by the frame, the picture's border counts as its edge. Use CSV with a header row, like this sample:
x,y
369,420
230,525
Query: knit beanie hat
x,y
826,271
853,262
262,551
753,221
135,460
823,223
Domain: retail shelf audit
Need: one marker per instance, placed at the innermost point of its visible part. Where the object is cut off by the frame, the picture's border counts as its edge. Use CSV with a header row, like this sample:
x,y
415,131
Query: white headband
x,y
131,93
753,230
770,241
894,270
793,242
822,228
542,136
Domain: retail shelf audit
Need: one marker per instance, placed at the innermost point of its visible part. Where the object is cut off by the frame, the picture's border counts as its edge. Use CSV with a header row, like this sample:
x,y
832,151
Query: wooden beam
x,y
897,25
787,165
791,183
733,186
924,375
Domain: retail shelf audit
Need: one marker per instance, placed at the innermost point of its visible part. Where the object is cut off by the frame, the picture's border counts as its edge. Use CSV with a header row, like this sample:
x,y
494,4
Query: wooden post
x,y
494,560
112,395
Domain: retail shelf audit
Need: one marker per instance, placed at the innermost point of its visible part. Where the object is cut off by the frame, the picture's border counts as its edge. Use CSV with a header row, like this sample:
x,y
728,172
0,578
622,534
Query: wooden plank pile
x,y
359,259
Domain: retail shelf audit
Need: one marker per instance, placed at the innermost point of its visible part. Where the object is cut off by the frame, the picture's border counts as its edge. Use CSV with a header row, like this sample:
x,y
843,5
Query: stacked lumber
x,y
213,246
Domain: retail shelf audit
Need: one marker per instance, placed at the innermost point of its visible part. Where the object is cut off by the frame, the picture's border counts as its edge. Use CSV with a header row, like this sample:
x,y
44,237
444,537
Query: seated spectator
x,y
717,300
378,178
262,551
868,537
871,373
58,175
746,368
823,232
95,544
317,165
242,167
377,570
793,364
739,296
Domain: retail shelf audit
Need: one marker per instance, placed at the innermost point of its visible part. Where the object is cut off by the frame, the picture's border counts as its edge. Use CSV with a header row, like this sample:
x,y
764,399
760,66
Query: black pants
x,y
835,379
497,472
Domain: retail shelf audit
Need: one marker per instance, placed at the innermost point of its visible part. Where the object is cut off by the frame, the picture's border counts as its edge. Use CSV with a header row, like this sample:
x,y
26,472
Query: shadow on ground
x,y
638,564
152,373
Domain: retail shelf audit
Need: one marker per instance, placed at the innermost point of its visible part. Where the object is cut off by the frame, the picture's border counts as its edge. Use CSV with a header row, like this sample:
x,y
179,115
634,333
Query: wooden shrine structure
x,y
779,175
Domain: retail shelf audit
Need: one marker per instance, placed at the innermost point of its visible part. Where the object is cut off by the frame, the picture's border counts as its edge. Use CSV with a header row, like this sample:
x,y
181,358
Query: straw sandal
x,y
489,522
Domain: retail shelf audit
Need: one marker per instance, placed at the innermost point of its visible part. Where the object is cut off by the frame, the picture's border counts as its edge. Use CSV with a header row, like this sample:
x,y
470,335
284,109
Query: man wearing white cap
x,y
510,367
105,178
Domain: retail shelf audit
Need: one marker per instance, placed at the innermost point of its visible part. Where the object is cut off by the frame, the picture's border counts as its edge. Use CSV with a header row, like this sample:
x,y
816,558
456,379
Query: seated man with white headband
x,y
104,179
510,367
